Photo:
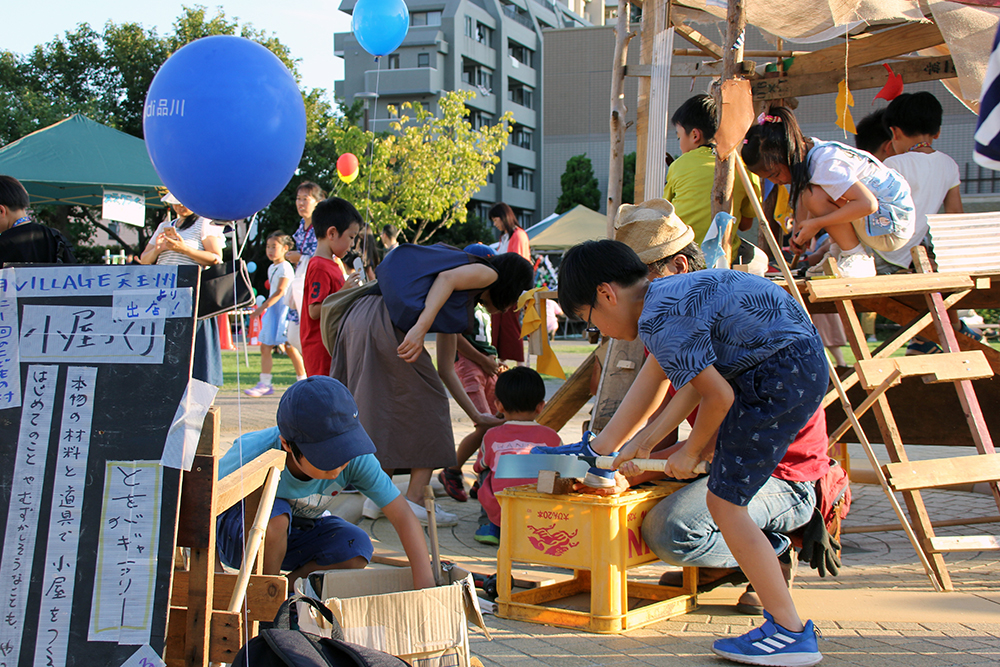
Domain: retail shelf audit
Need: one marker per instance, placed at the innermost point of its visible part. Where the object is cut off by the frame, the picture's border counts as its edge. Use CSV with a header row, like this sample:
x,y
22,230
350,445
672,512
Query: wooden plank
x,y
615,380
264,594
838,289
943,472
570,397
208,444
235,486
704,44
936,568
869,48
931,68
198,504
226,638
940,367
967,543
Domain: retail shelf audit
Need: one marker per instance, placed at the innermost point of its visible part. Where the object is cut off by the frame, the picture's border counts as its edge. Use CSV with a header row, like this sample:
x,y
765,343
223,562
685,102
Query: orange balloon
x,y
347,167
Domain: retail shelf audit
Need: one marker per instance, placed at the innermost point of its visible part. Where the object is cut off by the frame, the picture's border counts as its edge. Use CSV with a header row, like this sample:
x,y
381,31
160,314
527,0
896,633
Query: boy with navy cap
x,y
327,450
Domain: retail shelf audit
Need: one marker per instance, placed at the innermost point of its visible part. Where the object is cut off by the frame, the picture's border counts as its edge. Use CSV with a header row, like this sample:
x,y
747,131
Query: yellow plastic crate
x,y
599,538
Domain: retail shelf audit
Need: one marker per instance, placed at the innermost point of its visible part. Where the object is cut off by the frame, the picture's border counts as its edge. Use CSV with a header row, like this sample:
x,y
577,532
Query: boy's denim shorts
x,y
327,540
772,402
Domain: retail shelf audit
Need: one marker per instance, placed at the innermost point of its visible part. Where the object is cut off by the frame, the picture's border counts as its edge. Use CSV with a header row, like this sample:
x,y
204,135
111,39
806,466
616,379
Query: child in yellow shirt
x,y
690,177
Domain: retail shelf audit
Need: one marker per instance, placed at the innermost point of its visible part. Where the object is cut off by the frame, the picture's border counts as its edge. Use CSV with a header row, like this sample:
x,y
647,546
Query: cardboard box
x,y
378,608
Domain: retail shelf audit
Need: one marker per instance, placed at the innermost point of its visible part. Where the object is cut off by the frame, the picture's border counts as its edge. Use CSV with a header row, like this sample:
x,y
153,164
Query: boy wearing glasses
x,y
740,349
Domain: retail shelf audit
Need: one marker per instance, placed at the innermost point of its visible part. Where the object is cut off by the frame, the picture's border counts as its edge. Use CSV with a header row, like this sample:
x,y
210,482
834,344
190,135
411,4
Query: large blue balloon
x,y
380,25
225,126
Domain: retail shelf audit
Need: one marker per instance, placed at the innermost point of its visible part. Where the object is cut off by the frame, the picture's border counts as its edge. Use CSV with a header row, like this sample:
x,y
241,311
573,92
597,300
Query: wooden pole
x,y
255,539
616,166
732,58
657,105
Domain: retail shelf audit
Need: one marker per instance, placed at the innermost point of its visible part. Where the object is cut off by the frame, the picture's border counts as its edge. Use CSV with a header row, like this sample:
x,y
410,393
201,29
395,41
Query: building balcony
x,y
481,101
519,198
520,156
523,115
408,81
521,72
478,51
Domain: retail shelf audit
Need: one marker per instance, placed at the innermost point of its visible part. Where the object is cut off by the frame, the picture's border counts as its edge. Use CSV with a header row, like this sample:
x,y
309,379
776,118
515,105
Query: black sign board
x,y
95,363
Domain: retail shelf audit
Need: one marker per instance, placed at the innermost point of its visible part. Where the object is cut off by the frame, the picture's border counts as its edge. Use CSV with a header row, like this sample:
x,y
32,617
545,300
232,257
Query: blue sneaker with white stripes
x,y
771,644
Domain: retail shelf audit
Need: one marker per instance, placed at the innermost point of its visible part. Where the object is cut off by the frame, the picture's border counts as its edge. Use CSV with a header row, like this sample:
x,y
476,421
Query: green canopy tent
x,y
72,161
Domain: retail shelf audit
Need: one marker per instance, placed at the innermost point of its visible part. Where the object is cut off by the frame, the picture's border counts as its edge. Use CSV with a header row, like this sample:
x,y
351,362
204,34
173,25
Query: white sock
x,y
265,378
858,249
300,377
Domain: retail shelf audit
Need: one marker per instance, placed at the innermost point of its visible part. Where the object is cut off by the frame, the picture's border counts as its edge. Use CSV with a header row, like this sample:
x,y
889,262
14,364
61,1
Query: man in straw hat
x,y
680,529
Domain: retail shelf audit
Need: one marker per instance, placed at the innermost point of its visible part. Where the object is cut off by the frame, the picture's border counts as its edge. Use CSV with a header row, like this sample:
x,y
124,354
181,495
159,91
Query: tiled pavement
x,y
880,611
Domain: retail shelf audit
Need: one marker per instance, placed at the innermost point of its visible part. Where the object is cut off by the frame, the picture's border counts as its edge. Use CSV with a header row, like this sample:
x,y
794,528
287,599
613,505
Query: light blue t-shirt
x,y
730,319
364,471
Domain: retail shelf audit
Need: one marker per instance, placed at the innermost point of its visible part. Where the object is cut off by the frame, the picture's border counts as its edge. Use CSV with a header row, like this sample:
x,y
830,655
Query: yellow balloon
x,y
349,178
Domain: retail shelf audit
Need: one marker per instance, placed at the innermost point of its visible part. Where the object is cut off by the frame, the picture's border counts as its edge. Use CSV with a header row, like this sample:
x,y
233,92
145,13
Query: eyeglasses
x,y
591,329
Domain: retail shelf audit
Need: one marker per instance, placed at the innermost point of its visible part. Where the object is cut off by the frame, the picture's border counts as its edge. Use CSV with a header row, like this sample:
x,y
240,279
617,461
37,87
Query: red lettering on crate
x,y
552,544
636,546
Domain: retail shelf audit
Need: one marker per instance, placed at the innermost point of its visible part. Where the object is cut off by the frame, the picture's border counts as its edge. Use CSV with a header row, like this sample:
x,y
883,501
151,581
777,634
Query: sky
x,y
306,27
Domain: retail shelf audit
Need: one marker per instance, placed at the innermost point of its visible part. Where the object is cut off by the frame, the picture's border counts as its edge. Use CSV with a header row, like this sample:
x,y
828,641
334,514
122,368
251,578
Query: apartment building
x,y
491,47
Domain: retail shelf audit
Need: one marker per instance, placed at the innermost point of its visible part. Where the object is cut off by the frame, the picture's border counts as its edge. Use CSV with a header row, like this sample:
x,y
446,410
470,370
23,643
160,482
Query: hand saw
x,y
527,466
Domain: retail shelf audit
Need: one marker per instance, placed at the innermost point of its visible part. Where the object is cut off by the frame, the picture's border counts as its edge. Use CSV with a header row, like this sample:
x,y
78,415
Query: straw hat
x,y
652,229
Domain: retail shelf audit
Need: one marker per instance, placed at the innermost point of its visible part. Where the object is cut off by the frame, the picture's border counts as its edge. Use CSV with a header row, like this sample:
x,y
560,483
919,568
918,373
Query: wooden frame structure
x,y
812,73
208,619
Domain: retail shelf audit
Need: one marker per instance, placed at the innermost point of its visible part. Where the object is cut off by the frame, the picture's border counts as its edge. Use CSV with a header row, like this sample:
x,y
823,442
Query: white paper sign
x,y
86,280
144,657
122,608
152,304
71,456
89,335
25,503
126,207
10,365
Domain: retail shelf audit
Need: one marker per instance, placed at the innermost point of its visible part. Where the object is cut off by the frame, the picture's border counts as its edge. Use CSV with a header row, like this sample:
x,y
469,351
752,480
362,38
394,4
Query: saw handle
x,y
648,465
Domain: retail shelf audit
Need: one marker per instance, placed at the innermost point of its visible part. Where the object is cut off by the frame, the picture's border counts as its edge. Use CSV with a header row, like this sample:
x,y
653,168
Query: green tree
x,y
435,165
104,76
579,185
628,179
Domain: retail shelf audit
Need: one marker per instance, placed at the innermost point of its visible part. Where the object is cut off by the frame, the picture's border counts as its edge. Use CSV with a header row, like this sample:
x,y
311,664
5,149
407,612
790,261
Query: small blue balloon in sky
x,y
380,25
251,266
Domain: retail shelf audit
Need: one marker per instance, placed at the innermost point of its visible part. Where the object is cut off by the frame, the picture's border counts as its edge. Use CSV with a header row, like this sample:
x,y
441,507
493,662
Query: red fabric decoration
x,y
893,87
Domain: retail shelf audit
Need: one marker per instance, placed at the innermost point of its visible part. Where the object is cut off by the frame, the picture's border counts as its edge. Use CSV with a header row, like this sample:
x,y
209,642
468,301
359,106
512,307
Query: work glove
x,y
819,548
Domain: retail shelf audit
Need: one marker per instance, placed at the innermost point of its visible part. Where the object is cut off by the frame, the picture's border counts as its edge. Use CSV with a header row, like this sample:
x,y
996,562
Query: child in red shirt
x,y
337,224
520,397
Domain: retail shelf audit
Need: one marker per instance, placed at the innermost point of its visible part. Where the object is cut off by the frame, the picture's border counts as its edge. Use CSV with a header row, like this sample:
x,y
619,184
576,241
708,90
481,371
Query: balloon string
x,y
371,161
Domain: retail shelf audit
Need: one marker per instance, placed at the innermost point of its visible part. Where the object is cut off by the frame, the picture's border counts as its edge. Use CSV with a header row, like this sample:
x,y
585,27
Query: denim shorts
x,y
327,540
772,402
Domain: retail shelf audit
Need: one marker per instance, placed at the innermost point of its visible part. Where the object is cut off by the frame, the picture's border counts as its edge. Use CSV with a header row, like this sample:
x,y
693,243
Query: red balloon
x,y
347,165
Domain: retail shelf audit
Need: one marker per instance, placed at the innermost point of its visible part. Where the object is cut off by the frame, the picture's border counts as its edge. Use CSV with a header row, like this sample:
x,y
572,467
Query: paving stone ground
x,y
880,611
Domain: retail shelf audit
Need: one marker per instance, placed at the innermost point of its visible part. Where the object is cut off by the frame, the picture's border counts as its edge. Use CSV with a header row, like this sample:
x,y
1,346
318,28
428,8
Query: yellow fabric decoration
x,y
532,322
845,99
782,211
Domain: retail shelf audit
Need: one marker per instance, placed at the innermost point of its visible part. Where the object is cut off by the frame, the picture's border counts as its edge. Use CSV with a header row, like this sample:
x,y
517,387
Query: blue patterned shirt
x,y
729,319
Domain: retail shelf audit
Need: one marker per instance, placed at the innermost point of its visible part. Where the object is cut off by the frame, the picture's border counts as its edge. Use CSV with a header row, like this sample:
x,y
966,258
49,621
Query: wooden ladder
x,y
878,374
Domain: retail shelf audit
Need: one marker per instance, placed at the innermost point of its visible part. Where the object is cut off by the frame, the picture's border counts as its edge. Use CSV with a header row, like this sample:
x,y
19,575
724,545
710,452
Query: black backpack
x,y
281,646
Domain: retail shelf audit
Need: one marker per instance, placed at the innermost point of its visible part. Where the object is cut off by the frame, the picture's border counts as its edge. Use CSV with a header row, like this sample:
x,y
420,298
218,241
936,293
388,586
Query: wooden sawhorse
x,y
199,631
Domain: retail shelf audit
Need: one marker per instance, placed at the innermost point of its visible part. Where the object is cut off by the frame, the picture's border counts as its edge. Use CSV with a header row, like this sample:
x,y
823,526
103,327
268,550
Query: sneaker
x,y
598,478
452,483
259,389
856,265
441,518
370,510
488,533
749,603
771,644
474,491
